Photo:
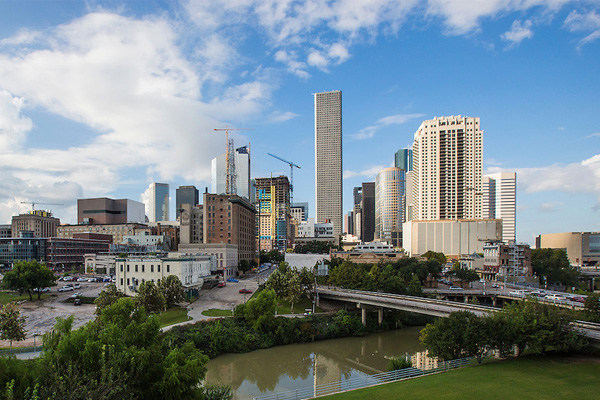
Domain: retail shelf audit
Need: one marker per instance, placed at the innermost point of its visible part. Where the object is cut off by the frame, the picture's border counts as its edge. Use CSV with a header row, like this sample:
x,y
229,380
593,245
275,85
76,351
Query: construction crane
x,y
230,185
292,165
33,203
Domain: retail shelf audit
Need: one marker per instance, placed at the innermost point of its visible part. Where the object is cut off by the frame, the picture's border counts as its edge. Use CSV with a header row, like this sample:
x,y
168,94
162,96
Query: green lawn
x,y
284,306
173,315
6,297
215,312
550,377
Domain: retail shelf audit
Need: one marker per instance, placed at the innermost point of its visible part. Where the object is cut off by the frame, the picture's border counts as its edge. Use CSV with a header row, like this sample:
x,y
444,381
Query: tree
x,y
414,287
278,283
260,311
554,265
464,274
107,297
172,290
12,324
26,276
244,266
432,255
461,334
294,288
592,306
120,355
150,297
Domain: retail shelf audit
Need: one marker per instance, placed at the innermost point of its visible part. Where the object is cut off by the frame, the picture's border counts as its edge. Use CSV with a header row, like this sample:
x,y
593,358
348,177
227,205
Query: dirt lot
x,y
41,315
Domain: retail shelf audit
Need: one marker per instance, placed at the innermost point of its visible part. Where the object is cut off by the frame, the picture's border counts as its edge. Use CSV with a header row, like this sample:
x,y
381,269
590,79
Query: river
x,y
298,366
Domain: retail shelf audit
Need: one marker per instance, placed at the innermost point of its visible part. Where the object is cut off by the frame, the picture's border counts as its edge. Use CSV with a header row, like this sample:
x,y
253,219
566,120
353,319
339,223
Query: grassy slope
x,y
215,312
6,297
531,378
172,316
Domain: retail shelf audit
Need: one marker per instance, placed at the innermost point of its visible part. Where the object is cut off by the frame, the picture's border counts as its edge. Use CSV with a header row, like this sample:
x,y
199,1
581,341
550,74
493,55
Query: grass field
x,y
550,377
215,312
173,315
6,297
284,306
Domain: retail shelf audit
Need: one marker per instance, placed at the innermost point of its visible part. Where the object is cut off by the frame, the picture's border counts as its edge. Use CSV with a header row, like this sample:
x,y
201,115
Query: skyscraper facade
x,y
367,206
403,159
186,195
390,197
274,228
218,179
447,169
500,202
158,204
328,159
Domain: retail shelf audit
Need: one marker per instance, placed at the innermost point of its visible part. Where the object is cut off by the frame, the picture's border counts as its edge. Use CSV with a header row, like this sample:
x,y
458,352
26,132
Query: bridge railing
x,y
365,381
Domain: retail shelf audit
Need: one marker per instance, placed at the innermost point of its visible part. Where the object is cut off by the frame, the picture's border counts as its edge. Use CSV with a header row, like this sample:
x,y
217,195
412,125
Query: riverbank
x,y
544,377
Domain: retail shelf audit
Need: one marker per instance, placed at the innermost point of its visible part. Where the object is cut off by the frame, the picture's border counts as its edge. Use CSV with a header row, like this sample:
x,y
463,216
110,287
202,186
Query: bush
x,y
396,363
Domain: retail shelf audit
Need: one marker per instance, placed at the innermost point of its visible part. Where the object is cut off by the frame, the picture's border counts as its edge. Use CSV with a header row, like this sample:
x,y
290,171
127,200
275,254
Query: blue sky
x,y
101,98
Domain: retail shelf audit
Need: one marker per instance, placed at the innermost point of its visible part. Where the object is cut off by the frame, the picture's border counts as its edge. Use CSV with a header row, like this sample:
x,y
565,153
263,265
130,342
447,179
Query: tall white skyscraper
x,y
500,202
158,202
328,159
447,169
242,173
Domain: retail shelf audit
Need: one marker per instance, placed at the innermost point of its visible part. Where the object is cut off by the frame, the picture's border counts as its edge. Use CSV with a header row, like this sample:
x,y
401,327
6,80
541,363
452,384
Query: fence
x,y
365,381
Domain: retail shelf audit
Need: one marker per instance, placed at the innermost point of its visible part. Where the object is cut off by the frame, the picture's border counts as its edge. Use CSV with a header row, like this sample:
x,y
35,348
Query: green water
x,y
300,366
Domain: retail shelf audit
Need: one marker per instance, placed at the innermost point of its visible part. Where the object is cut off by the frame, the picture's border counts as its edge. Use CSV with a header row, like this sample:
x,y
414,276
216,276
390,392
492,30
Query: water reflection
x,y
303,365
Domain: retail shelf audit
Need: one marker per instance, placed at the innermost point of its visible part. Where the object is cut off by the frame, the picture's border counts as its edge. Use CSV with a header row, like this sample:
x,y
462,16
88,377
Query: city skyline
x,y
101,100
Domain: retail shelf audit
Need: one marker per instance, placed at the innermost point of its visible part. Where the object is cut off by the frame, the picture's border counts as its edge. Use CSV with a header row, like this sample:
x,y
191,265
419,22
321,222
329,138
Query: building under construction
x,y
274,229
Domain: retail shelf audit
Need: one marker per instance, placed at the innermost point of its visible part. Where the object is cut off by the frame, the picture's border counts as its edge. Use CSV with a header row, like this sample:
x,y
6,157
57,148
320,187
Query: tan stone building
x,y
41,223
583,248
117,231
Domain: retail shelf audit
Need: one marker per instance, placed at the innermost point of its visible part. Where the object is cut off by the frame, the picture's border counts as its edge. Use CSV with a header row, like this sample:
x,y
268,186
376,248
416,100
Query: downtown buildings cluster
x,y
434,198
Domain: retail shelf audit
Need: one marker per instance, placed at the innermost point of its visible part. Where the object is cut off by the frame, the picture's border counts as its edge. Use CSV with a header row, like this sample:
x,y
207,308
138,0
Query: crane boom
x,y
230,186
292,165
33,203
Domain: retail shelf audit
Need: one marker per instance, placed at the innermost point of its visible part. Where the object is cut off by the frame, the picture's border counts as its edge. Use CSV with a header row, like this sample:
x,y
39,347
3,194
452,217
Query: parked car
x,y
77,286
77,302
82,280
554,297
67,278
495,285
232,280
43,290
66,289
106,279
245,291
75,295
222,284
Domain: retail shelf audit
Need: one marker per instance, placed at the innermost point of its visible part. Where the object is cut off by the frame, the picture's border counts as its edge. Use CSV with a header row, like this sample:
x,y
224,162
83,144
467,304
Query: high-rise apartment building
x,y
185,195
447,169
328,159
274,219
500,202
158,204
218,181
390,197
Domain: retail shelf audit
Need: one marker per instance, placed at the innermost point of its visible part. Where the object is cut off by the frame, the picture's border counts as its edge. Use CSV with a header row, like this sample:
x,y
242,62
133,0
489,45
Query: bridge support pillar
x,y
466,299
364,315
380,316
495,301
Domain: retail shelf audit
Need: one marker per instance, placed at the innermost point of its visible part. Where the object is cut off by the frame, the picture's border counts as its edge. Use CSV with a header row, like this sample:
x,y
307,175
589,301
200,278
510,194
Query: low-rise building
x,y
583,248
511,260
454,238
226,255
117,231
191,270
41,223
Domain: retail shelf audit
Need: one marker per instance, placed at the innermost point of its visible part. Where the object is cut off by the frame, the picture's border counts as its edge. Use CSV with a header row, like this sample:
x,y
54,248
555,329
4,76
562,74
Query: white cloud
x,y
584,22
464,16
13,126
370,172
126,79
282,117
518,32
595,134
550,206
398,119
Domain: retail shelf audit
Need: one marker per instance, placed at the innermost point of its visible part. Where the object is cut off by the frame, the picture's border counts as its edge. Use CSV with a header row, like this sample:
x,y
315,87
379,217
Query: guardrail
x,y
365,381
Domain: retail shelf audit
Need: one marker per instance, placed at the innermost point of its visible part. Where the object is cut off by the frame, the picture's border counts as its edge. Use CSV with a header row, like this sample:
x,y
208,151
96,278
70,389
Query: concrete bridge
x,y
377,301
